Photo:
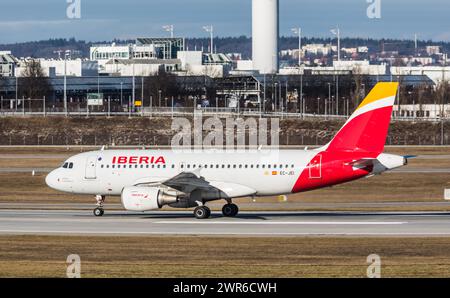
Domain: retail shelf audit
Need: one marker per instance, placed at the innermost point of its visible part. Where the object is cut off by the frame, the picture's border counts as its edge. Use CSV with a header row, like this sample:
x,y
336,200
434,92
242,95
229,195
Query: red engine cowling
x,y
141,198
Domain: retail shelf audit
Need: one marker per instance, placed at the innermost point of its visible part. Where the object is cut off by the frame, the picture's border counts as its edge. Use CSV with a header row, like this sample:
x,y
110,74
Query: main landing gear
x,y
203,212
230,210
99,210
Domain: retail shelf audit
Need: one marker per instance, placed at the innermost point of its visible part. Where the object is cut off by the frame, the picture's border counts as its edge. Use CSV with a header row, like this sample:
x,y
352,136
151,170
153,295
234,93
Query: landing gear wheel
x,y
98,212
230,210
202,212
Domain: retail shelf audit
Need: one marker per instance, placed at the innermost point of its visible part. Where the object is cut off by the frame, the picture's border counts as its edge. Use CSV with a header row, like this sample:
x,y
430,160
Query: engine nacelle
x,y
145,198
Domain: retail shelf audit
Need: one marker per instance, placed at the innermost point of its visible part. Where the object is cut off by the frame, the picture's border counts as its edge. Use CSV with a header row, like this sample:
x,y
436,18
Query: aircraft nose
x,y
50,180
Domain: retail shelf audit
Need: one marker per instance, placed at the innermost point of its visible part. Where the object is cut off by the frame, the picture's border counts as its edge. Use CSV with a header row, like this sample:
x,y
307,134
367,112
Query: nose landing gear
x,y
99,210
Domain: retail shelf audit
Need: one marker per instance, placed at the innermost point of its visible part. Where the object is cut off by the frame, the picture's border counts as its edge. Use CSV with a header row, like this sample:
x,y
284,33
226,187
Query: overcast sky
x,y
28,20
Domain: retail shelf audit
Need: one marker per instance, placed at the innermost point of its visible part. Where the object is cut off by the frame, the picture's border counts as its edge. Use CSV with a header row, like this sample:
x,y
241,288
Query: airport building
x,y
8,64
61,67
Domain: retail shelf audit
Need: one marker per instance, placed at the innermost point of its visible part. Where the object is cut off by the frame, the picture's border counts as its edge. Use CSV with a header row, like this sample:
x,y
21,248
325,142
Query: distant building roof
x,y
143,61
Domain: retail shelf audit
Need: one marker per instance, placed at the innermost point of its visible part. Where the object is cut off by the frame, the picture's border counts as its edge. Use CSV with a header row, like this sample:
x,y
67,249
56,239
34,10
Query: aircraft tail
x,y
367,129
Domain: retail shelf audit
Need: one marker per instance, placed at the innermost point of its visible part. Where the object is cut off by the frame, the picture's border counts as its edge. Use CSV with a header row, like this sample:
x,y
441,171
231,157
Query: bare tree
x,y
34,84
442,96
357,94
162,85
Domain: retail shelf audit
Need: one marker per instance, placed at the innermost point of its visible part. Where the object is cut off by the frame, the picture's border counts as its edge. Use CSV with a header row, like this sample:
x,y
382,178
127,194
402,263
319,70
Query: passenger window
x,y
173,166
113,166
102,166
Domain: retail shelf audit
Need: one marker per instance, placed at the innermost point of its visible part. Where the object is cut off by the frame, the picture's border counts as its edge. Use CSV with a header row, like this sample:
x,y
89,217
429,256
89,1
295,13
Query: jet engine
x,y
146,198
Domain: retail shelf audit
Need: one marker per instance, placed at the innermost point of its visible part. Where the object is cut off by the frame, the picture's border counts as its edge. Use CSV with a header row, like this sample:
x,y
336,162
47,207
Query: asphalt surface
x,y
118,223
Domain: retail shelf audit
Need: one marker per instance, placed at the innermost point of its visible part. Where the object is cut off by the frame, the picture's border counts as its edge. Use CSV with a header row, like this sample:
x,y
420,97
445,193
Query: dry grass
x,y
31,163
419,150
45,256
410,150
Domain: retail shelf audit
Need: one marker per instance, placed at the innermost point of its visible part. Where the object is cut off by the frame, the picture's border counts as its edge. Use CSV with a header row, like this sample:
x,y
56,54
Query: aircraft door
x,y
315,168
91,165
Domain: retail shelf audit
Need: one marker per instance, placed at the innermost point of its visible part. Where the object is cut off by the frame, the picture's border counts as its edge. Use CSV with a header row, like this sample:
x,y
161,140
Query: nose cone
x,y
51,180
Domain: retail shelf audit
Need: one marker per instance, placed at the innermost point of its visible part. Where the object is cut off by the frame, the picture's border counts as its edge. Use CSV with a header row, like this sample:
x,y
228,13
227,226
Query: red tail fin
x,y
367,128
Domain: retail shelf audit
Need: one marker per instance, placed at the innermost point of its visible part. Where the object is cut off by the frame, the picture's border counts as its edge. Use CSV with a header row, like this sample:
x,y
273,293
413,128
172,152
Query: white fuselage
x,y
258,173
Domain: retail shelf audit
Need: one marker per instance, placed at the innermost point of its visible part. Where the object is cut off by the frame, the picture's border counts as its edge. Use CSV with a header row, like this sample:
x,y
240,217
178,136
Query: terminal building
x,y
8,64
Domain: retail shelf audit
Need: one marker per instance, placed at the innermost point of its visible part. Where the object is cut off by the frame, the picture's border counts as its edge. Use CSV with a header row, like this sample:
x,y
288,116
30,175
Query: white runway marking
x,y
362,223
55,232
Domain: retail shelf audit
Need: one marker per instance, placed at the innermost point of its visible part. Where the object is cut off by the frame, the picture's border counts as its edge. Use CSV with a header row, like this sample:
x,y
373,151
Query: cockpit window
x,y
68,165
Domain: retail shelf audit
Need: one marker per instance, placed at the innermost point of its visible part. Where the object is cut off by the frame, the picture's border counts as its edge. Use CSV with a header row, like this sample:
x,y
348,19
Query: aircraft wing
x,y
187,182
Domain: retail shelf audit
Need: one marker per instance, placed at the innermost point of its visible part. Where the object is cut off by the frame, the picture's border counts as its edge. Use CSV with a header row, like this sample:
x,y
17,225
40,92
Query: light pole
x,y
121,95
329,97
134,89
17,92
336,31
298,31
169,28
210,29
67,53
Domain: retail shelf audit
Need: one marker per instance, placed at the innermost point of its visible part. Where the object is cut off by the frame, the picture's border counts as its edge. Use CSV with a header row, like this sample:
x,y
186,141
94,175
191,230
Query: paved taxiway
x,y
57,222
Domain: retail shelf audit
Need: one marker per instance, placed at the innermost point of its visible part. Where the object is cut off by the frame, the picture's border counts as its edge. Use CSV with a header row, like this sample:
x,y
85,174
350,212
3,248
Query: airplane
x,y
150,179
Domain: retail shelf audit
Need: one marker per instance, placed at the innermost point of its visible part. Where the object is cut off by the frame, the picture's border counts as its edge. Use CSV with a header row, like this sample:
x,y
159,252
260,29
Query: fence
x,y
77,110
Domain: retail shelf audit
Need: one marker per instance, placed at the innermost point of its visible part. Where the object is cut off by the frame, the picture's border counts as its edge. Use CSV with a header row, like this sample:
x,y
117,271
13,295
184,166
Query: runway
x,y
250,224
